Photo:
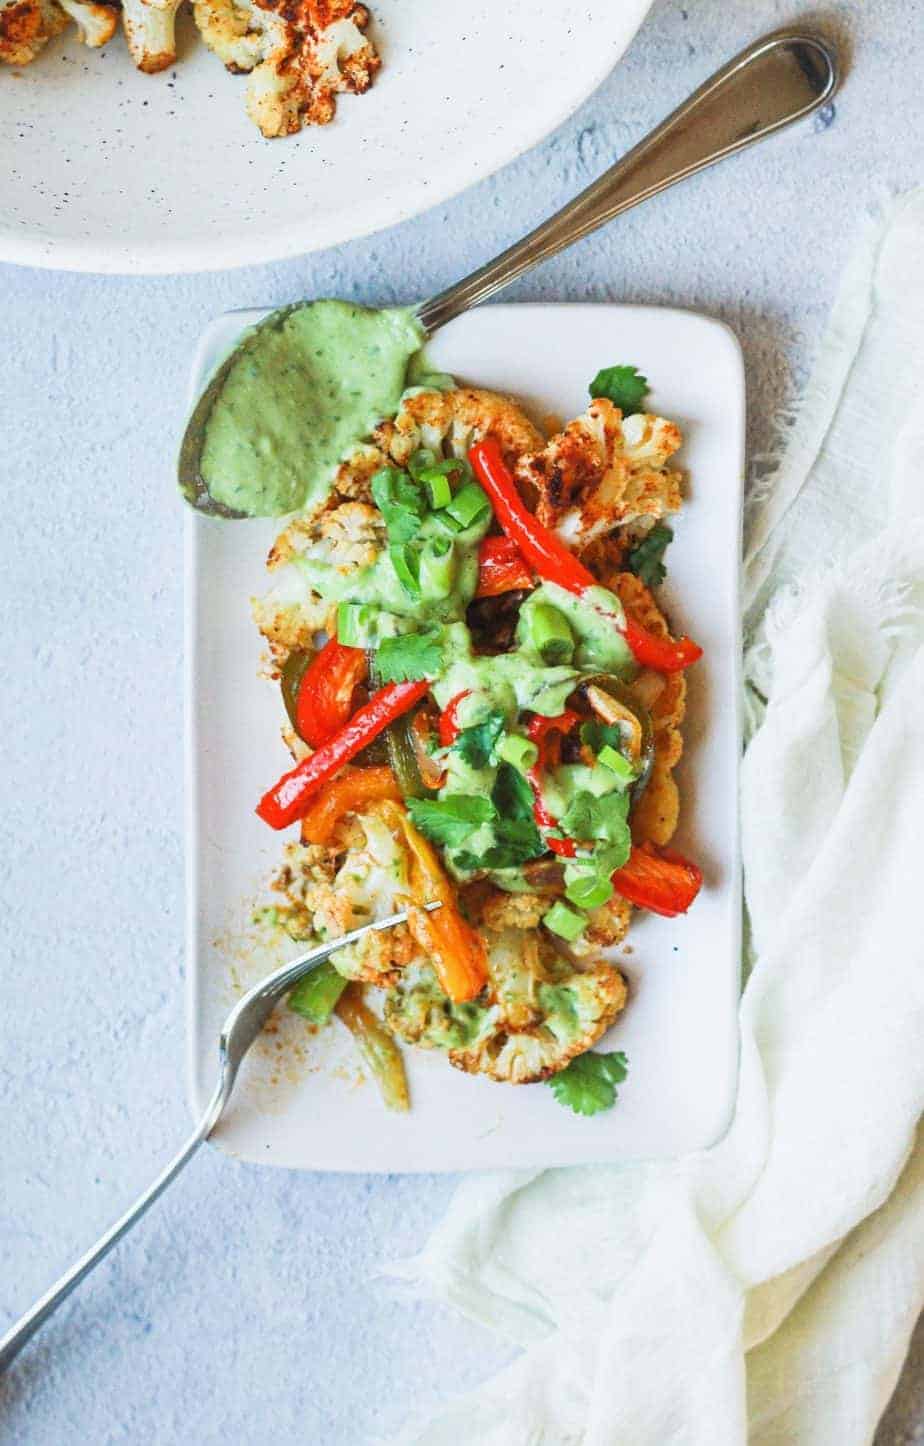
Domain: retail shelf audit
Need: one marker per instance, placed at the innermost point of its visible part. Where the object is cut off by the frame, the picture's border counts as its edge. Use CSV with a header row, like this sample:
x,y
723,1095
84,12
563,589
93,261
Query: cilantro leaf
x,y
401,502
408,657
624,386
475,744
512,795
601,735
589,817
449,821
517,840
516,837
645,559
588,1084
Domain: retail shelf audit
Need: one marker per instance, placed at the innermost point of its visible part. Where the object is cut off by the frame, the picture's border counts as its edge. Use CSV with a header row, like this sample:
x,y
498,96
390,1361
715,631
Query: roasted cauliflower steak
x,y
602,472
447,423
329,891
537,1012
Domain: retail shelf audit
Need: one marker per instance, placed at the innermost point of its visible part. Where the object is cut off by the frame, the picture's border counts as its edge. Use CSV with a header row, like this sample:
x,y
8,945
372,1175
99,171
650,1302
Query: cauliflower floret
x,y
232,32
330,891
149,31
26,26
447,423
605,927
95,23
347,537
513,911
603,472
536,1013
291,615
300,55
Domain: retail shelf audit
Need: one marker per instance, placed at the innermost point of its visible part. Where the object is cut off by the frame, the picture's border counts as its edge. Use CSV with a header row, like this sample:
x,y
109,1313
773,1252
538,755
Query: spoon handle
x,y
12,1342
779,79
240,1030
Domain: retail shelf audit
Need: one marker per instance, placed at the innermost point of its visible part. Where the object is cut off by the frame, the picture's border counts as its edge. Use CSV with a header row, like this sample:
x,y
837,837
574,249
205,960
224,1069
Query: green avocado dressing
x,y
595,618
517,682
379,585
306,384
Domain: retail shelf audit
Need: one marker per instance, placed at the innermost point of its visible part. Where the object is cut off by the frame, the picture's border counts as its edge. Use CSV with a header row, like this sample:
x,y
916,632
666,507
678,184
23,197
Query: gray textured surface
x,y
245,1308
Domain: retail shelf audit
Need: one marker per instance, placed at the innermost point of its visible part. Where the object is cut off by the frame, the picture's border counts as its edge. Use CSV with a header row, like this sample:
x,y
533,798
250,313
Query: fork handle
x,y
16,1337
775,81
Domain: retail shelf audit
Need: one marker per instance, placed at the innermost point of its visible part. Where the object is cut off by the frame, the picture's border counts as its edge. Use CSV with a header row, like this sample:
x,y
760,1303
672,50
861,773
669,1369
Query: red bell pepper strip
x,y
664,655
325,694
556,563
448,729
547,734
501,567
659,880
290,797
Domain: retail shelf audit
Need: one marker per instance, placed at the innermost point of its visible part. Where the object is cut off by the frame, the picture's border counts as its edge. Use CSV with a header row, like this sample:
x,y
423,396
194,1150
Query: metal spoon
x,y
772,83
240,1030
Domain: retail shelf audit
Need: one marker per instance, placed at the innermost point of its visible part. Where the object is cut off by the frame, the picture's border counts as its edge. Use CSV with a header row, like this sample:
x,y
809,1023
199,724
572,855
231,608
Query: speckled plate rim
x,y
315,233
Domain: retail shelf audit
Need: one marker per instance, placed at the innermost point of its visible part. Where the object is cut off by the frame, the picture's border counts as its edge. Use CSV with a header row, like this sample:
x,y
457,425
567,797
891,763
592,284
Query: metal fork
x,y
239,1031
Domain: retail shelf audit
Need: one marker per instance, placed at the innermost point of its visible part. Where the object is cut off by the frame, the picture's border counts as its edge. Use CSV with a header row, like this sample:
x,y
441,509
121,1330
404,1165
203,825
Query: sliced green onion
x,y
356,624
512,748
567,923
316,995
470,505
445,517
439,488
363,625
437,568
617,763
550,635
589,891
406,562
452,467
419,461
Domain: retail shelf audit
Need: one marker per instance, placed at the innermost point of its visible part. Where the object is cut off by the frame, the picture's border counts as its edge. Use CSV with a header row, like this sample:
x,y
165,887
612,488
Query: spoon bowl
x,y
774,82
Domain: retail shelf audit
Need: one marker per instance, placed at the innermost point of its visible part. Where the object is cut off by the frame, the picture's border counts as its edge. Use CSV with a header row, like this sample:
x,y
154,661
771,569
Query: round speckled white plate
x,y
111,170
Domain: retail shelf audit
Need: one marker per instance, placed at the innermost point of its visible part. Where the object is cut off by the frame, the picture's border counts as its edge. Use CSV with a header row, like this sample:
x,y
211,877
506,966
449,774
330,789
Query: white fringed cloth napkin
x,y
765,1290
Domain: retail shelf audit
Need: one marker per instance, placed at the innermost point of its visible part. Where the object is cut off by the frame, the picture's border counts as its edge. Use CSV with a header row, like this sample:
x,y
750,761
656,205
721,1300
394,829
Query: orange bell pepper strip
x,y
454,948
347,793
552,560
659,880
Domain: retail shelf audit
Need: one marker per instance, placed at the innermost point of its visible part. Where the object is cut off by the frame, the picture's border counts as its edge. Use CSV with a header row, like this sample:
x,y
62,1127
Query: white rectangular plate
x,y
302,1100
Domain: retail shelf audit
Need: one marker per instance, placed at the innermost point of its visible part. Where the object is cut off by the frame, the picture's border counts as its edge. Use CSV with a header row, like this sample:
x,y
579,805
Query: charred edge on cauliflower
x,y
447,423
26,26
602,472
537,1012
300,54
